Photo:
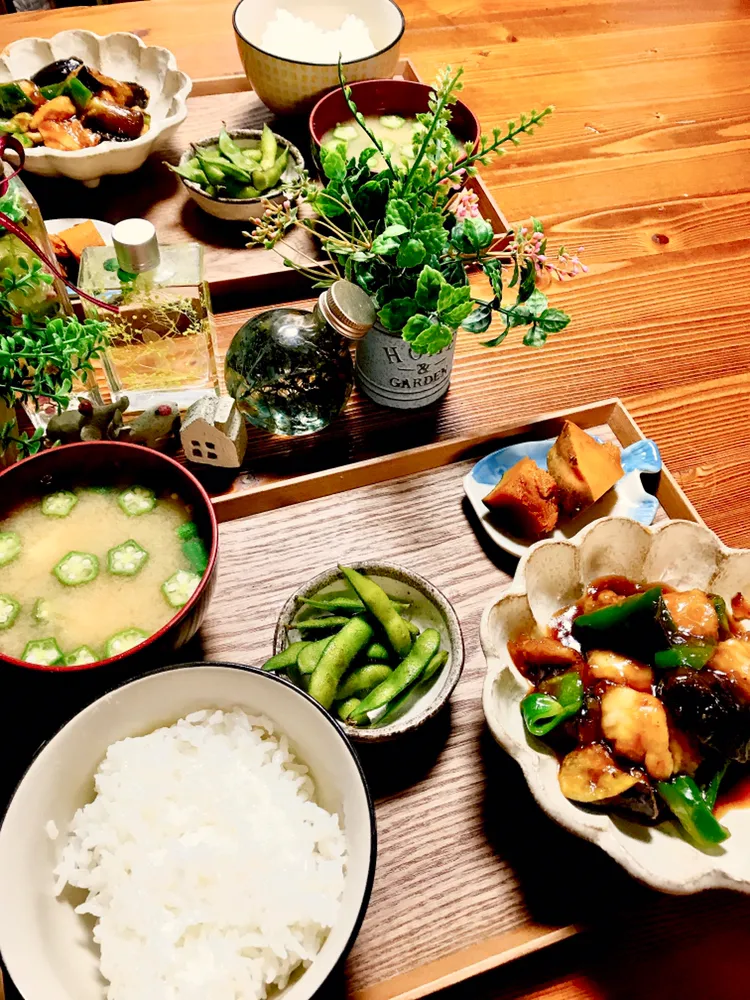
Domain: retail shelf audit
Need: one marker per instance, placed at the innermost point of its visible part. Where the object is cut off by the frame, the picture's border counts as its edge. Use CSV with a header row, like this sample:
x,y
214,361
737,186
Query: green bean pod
x,y
345,708
286,658
406,673
336,659
319,624
345,604
436,663
268,149
362,680
264,179
309,656
378,604
378,652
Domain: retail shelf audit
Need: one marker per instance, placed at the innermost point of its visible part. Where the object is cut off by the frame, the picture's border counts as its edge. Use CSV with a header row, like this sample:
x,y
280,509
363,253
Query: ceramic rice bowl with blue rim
x,y
627,498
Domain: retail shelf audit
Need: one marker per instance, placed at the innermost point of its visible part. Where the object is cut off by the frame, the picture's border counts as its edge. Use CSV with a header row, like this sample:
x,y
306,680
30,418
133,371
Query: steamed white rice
x,y
210,870
293,37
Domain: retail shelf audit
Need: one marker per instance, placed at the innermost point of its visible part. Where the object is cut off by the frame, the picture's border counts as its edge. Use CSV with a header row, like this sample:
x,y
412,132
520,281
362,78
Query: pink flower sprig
x,y
531,246
465,205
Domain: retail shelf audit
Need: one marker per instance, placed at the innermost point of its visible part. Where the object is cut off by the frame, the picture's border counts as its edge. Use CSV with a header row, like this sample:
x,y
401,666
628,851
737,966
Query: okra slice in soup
x,y
59,504
44,652
9,608
10,546
77,568
126,559
80,657
137,500
123,641
41,611
180,587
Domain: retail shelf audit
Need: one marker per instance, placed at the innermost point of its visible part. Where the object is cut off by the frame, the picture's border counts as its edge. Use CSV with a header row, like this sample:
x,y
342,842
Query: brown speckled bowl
x,y
430,608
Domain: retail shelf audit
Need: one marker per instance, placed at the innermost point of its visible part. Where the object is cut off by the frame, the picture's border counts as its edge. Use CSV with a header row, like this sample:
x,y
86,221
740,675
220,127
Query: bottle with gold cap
x,y
162,340
290,370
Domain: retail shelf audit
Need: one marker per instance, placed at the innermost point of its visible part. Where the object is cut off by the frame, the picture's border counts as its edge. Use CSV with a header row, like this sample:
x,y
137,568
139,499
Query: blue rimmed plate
x,y
627,498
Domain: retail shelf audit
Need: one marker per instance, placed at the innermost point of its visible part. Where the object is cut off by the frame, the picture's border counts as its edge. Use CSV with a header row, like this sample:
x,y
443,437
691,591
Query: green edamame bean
x,y
214,173
343,603
268,149
345,708
406,673
318,624
362,680
335,661
229,148
378,604
252,156
414,629
307,660
265,179
286,658
436,663
226,168
377,651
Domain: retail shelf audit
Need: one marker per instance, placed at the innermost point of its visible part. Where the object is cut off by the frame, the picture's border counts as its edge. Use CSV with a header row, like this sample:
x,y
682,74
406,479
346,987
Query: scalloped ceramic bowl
x,y
553,574
120,55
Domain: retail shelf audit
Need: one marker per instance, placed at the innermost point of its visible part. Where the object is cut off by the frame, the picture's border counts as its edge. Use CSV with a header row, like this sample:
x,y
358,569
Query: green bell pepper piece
x,y
691,810
13,100
691,654
637,626
720,607
78,92
562,699
52,90
711,791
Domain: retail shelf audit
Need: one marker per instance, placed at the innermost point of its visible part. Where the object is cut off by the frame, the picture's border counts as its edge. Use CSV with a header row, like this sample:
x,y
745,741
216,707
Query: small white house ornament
x,y
213,432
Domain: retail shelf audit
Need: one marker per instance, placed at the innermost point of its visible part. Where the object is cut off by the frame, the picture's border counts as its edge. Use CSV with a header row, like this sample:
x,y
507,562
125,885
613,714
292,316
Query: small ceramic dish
x,y
429,609
47,947
627,498
243,209
553,575
55,226
120,55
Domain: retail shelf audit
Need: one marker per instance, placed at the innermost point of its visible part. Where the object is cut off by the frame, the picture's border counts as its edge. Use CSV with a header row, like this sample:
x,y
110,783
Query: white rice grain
x,y
209,868
293,37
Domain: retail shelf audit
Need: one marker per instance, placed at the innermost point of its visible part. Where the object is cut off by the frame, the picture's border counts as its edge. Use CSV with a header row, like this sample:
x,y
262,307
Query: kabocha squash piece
x,y
526,497
584,469
77,238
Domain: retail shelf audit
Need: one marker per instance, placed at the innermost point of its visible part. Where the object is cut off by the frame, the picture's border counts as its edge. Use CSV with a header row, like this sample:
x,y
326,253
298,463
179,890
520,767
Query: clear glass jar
x,y
290,370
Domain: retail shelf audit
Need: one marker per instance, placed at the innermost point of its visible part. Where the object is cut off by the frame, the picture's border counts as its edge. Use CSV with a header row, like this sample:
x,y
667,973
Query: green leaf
x,y
480,319
412,253
530,309
399,211
553,320
537,225
395,314
427,335
494,271
429,284
384,246
534,336
334,164
454,305
472,236
528,281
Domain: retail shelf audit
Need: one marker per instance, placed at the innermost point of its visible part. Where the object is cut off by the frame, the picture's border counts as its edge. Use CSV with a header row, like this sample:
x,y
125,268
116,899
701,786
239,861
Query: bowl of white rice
x,y
204,831
290,48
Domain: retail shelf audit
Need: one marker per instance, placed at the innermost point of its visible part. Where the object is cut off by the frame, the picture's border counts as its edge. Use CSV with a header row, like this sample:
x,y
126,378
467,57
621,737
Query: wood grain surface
x,y
645,163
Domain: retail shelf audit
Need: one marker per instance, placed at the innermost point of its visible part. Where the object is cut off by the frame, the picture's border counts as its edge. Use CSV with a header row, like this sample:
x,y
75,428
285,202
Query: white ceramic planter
x,y
552,575
391,374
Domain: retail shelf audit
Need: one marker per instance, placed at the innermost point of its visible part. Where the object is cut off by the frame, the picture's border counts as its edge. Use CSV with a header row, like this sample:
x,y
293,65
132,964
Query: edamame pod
x,y
319,624
286,658
345,708
263,179
377,651
362,680
308,658
406,673
268,149
344,603
229,148
378,603
336,659
436,663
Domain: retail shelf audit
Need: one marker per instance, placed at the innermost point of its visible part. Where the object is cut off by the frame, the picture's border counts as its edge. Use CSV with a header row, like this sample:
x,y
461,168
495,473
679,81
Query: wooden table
x,y
646,165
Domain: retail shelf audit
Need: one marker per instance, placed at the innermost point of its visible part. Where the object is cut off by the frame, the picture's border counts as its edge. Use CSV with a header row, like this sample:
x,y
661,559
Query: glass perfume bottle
x,y
290,370
162,345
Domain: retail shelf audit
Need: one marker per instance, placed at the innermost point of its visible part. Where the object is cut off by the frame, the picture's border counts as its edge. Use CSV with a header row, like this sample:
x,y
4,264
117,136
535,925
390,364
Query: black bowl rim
x,y
303,62
357,926
181,613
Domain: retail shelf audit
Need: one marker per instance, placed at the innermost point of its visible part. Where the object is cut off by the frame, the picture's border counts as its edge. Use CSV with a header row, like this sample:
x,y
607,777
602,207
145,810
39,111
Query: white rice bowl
x,y
209,868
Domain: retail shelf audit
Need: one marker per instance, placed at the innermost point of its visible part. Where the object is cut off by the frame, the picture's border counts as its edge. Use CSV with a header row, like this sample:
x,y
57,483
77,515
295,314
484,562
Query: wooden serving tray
x,y
462,884
154,193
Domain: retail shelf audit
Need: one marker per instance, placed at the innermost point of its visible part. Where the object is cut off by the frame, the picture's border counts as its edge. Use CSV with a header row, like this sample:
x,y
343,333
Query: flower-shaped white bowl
x,y
124,57
553,574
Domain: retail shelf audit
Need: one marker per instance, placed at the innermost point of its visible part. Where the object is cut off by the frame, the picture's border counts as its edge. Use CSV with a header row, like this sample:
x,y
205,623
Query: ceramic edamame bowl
x,y
429,608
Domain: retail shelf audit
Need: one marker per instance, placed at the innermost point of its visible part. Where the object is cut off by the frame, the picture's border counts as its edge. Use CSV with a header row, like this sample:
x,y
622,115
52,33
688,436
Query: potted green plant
x,y
410,236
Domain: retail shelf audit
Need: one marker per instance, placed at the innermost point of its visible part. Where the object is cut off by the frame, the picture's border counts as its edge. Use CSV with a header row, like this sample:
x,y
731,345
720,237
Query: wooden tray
x,y
154,193
460,887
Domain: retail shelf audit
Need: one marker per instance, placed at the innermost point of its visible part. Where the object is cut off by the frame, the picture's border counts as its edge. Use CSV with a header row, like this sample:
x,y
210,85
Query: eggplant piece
x,y
112,120
125,94
591,776
708,705
56,72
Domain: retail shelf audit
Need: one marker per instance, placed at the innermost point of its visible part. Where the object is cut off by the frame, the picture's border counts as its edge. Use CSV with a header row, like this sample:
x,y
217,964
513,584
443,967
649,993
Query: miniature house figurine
x,y
213,432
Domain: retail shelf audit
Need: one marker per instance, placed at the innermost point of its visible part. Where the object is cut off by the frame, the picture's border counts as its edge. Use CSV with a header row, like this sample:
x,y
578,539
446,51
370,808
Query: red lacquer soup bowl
x,y
406,98
111,463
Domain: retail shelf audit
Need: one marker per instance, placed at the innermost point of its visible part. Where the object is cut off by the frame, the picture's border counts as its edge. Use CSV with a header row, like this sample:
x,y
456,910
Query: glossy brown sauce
x,y
736,797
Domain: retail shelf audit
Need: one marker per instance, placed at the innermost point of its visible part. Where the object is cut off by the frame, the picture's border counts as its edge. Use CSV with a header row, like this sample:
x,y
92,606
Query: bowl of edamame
x,y
375,644
233,174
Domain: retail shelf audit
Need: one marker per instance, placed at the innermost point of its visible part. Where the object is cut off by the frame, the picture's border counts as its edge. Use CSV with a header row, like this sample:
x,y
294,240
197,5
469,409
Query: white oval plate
x,y
55,226
553,574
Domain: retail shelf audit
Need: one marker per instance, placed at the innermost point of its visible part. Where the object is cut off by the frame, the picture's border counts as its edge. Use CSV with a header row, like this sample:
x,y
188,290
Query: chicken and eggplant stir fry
x,y
68,105
644,693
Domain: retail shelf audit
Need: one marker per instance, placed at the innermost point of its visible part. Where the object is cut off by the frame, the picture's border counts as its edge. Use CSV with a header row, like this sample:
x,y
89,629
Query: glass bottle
x,y
291,370
162,345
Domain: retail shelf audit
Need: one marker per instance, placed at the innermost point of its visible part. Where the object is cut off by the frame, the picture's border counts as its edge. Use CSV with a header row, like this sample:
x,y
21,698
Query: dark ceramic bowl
x,y
386,97
429,608
110,463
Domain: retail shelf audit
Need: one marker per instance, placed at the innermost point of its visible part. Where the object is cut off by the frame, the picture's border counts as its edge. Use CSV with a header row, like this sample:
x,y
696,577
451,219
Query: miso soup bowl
x,y
105,463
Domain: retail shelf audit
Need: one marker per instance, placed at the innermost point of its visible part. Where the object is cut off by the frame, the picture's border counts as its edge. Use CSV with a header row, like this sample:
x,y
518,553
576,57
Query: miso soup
x,y
91,573
394,132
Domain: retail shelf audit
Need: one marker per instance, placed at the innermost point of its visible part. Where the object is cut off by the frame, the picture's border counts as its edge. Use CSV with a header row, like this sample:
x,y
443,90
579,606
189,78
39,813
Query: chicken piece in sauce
x,y
693,614
685,750
606,666
68,135
732,659
540,657
635,723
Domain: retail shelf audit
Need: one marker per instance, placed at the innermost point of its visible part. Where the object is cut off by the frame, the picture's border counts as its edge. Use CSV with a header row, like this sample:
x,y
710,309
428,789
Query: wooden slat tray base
x,y
463,881
154,193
